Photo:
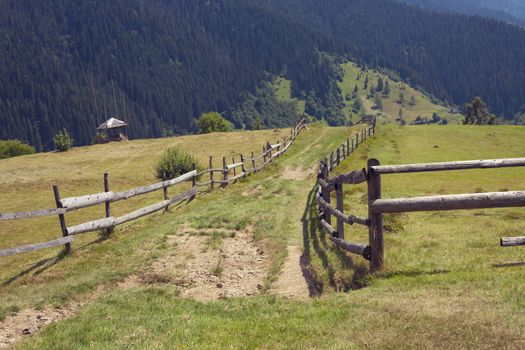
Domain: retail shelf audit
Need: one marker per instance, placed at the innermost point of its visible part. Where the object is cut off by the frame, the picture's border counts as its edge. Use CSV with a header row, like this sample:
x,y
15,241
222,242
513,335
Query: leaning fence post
x,y
375,231
224,171
212,181
326,196
61,218
340,207
107,204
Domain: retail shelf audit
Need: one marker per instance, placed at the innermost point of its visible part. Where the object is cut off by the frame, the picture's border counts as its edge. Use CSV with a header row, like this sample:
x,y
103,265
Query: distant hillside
x,y
160,64
511,11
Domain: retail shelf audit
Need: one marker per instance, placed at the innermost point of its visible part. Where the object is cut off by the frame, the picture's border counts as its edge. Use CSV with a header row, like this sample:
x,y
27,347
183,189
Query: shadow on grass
x,y
316,245
514,264
38,268
415,273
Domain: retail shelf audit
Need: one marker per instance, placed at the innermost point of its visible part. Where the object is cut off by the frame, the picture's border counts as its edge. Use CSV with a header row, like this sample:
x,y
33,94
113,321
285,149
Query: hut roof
x,y
112,123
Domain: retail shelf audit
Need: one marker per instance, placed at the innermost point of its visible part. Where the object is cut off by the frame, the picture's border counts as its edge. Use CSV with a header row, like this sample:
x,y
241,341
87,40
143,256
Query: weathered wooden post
x,y
278,148
225,171
375,231
165,192
234,171
242,166
344,151
212,181
107,204
253,164
264,154
326,162
332,161
348,151
61,218
356,140
326,196
338,156
340,207
194,178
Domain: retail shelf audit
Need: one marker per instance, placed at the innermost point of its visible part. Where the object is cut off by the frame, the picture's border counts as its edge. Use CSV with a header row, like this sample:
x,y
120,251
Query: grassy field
x,y
446,284
423,106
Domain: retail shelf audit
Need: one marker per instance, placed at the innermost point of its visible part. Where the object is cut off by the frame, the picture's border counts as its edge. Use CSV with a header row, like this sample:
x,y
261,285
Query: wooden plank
x,y
349,219
32,214
353,178
154,187
74,203
450,202
339,204
512,241
326,185
363,250
446,166
96,225
235,178
37,246
329,229
154,207
233,166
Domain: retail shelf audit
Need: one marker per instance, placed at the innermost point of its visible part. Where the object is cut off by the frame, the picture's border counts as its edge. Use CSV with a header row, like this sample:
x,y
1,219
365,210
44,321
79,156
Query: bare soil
x,y
292,281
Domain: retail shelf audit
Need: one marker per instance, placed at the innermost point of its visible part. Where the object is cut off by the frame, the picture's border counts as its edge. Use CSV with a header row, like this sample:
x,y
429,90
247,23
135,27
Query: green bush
x,y
174,162
14,148
213,122
63,141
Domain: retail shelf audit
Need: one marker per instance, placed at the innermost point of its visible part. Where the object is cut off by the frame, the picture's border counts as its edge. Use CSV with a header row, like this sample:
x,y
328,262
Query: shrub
x,y
14,148
63,141
174,162
100,138
213,122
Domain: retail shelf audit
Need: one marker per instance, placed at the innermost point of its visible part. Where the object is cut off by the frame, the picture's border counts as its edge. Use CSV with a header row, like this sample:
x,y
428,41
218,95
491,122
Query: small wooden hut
x,y
114,130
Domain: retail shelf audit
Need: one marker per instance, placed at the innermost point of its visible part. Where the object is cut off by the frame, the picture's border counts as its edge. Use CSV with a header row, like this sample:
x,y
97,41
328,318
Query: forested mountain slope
x,y
512,11
160,64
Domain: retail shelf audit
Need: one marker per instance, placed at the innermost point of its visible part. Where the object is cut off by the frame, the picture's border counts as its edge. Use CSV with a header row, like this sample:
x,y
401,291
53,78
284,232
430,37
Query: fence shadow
x,y
316,244
38,267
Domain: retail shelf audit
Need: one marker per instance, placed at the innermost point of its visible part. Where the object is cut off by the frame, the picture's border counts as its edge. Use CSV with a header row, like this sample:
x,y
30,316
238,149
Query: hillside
x,y
511,11
160,64
445,277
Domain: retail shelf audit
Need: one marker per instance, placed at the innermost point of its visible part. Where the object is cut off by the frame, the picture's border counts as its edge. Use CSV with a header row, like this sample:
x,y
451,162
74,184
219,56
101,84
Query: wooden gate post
x,y
107,204
375,231
212,181
61,218
339,198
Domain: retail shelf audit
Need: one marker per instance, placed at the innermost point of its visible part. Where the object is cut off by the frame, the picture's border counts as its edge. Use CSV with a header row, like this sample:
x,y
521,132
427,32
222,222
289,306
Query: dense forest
x,y
511,11
159,64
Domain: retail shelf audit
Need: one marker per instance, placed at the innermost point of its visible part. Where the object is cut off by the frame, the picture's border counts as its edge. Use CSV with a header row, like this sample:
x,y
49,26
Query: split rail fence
x,y
377,206
246,166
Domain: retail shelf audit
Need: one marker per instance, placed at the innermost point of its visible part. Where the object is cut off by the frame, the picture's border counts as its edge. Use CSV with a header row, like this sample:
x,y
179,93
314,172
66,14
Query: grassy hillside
x,y
446,281
424,107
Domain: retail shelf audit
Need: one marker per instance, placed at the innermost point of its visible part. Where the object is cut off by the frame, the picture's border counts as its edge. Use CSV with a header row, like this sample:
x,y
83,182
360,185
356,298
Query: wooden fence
x,y
328,185
377,206
246,167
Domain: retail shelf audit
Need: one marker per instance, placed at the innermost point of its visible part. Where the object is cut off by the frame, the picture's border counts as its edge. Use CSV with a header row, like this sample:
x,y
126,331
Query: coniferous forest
x,y
160,64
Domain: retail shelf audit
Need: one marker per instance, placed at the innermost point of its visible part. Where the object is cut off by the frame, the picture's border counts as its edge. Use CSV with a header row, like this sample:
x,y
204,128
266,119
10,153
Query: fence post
x,y
165,191
242,166
326,196
375,231
234,171
107,204
194,178
338,156
332,161
278,146
264,154
212,181
253,164
348,147
344,151
339,199
224,171
356,140
61,218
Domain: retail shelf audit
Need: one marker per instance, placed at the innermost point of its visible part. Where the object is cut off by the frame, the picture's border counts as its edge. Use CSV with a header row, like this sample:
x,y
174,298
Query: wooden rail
x,y
108,223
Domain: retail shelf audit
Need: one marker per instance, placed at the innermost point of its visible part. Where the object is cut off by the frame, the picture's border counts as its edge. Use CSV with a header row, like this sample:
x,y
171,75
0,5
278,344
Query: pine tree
x,y
386,91
380,85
